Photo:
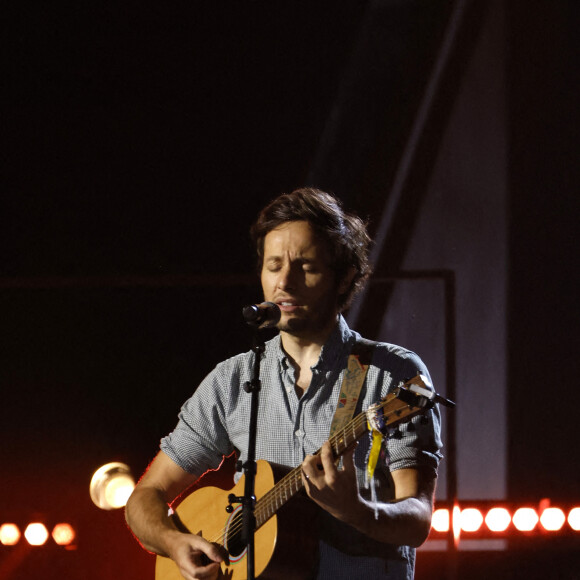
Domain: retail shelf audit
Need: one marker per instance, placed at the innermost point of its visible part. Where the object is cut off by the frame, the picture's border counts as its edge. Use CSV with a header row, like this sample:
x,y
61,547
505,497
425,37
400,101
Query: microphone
x,y
264,315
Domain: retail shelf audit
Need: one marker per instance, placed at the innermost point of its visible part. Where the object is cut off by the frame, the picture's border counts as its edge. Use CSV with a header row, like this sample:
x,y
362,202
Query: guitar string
x,y
294,478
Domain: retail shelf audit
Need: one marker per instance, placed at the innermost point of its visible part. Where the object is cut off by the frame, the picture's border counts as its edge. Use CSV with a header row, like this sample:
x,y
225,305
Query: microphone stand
x,y
248,500
258,316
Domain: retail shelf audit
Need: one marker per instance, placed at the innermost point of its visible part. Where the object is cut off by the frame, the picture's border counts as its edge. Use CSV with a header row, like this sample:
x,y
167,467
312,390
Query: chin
x,y
293,325
301,326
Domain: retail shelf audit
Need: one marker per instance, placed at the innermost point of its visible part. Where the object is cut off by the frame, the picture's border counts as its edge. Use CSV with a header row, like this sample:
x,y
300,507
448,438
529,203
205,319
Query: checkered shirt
x,y
214,421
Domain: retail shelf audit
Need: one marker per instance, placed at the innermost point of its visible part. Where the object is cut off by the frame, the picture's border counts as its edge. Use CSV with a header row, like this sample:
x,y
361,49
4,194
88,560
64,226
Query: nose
x,y
286,278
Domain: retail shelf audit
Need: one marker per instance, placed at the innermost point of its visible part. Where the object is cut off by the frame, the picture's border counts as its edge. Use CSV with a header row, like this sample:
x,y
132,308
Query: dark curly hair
x,y
345,233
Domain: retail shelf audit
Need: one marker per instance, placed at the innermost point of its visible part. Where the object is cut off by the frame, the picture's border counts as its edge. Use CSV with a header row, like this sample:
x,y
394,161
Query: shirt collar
x,y
341,338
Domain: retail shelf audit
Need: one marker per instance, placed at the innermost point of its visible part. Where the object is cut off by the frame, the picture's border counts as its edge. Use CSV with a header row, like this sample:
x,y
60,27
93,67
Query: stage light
x,y
552,519
525,519
9,534
470,519
574,519
440,520
36,534
497,519
111,486
63,534
503,520
456,523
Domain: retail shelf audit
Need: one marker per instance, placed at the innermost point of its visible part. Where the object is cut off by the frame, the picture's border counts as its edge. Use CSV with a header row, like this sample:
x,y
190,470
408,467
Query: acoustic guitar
x,y
282,551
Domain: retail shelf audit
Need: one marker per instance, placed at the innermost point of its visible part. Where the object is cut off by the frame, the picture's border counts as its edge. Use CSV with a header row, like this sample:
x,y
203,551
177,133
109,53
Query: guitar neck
x,y
398,406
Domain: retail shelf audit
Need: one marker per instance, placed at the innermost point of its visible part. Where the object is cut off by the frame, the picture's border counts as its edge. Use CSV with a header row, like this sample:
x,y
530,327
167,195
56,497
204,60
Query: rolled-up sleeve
x,y
200,439
417,443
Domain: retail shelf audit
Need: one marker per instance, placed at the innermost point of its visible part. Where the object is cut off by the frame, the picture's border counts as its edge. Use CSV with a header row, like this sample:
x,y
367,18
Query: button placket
x,y
299,432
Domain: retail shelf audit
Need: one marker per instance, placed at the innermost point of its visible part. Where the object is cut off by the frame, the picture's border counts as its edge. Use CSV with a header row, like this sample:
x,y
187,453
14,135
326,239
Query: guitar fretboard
x,y
395,410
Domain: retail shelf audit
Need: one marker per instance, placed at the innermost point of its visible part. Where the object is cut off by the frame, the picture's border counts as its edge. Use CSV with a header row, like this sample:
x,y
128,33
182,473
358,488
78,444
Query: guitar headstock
x,y
412,398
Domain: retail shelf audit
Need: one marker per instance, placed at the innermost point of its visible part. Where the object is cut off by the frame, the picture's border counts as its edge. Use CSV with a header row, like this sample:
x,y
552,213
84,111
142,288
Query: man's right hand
x,y
147,515
196,558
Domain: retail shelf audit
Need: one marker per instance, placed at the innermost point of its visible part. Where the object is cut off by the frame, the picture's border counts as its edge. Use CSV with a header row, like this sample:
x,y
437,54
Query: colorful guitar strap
x,y
354,377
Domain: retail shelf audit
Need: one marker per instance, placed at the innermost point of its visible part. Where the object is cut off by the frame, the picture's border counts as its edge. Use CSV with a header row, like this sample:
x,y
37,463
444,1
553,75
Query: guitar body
x,y
284,546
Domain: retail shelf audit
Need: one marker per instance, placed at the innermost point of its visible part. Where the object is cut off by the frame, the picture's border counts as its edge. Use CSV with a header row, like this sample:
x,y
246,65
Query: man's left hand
x,y
333,489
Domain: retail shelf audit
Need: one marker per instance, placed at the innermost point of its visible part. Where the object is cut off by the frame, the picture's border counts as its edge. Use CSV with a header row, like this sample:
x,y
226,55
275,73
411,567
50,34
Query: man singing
x,y
313,259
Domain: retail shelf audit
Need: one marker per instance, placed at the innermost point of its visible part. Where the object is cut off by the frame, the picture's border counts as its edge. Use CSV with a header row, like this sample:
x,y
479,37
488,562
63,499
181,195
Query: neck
x,y
306,346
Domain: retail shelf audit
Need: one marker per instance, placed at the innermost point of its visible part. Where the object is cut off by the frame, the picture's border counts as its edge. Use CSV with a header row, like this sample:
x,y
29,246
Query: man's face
x,y
297,277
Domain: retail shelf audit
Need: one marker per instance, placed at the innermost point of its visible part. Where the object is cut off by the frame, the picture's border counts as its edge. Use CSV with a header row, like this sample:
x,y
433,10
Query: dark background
x,y
141,139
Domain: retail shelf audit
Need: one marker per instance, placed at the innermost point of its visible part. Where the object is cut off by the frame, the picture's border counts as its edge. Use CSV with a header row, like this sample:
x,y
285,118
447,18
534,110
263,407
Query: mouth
x,y
288,305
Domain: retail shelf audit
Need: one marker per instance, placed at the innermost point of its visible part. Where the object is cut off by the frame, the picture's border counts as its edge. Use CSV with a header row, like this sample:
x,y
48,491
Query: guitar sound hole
x,y
234,543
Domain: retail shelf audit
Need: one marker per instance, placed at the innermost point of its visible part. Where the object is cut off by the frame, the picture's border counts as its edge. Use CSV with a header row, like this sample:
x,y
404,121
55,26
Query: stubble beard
x,y
308,325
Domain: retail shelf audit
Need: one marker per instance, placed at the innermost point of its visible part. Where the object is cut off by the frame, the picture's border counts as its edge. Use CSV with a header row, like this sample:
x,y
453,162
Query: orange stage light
x,y
489,519
440,520
63,534
552,519
498,519
36,534
9,534
525,519
456,523
470,520
574,519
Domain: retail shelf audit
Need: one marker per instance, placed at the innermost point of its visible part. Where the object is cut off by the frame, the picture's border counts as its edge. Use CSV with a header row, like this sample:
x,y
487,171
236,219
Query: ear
x,y
346,281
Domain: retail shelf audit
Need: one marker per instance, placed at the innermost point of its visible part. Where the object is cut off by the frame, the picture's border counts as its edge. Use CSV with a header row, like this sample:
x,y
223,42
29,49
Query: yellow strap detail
x,y
374,452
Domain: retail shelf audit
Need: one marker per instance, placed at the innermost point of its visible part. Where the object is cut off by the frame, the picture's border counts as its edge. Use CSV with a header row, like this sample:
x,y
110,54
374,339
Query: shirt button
x,y
299,433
